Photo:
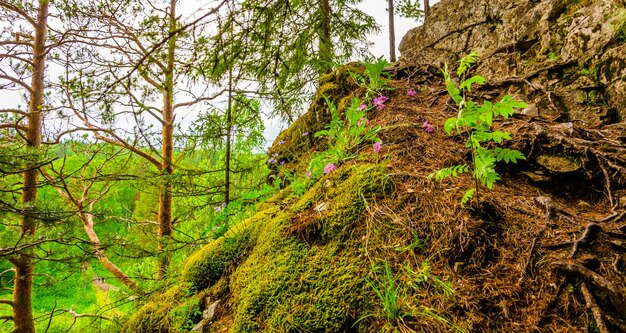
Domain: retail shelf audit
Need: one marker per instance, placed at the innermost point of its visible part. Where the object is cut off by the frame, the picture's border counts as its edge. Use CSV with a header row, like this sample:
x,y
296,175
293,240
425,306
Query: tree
x,y
29,51
286,45
406,8
83,185
131,36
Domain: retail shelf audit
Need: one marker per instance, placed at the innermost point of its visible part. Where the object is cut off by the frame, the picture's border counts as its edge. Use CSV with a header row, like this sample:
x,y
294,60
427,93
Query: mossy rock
x,y
206,266
345,191
339,87
153,316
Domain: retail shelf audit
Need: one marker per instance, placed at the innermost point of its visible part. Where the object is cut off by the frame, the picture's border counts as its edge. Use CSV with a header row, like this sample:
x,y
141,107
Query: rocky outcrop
x,y
566,57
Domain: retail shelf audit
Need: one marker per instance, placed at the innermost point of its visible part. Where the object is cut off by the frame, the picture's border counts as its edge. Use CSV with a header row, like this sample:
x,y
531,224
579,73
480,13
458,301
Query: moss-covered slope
x,y
378,246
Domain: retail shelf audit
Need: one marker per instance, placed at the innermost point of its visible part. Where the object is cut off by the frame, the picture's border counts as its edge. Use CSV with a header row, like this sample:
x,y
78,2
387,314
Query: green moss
x,y
345,191
336,86
206,266
287,286
153,316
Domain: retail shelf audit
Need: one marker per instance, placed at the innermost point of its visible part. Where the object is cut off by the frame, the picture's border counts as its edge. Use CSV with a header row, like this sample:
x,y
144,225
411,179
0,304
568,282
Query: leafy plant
x,y
345,136
388,291
374,78
475,121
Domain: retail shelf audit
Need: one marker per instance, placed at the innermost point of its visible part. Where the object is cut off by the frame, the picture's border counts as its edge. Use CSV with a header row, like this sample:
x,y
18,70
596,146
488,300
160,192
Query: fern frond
x,y
452,171
466,62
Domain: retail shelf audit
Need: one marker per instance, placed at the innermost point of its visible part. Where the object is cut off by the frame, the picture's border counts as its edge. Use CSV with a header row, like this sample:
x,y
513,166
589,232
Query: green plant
x,y
424,276
592,98
374,78
345,137
620,32
475,121
388,291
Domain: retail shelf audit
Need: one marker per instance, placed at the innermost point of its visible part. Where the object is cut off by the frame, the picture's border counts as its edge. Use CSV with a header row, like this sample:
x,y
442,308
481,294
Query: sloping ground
x,y
542,251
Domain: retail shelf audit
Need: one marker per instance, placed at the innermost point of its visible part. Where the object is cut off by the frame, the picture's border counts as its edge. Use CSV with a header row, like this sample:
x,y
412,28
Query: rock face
x,y
570,53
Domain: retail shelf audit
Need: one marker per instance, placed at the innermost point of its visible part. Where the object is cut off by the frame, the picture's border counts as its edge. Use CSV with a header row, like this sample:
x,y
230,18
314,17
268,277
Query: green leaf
x,y
467,84
469,194
450,124
466,62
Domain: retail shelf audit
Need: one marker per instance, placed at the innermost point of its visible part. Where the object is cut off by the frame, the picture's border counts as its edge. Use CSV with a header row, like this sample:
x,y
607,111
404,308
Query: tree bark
x,y
87,219
229,127
426,9
23,285
326,46
392,33
167,168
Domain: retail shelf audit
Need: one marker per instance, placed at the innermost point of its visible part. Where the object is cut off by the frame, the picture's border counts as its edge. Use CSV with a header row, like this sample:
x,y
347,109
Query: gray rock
x,y
516,38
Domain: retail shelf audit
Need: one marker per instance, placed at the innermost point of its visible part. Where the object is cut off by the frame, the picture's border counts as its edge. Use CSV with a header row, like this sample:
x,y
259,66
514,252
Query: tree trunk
x,y
87,219
229,127
426,9
167,168
23,285
392,33
326,46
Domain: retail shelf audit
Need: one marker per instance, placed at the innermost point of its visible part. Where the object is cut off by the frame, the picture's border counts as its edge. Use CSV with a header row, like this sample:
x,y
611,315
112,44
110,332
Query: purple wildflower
x,y
275,154
305,133
307,174
271,160
217,209
362,107
282,162
281,142
223,204
428,127
379,102
411,93
377,147
329,168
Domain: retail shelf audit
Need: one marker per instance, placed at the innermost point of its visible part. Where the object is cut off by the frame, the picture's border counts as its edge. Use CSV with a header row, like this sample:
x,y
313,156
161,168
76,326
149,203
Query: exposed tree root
x,y
595,309
617,299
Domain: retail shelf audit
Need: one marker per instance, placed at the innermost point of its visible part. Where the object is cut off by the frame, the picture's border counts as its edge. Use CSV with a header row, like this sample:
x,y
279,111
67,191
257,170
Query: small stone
x,y
209,313
558,164
531,111
322,206
535,177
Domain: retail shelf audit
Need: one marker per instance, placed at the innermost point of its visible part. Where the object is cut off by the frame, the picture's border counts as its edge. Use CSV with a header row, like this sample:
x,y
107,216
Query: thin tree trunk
x,y
167,168
392,33
326,46
426,9
229,126
23,285
87,220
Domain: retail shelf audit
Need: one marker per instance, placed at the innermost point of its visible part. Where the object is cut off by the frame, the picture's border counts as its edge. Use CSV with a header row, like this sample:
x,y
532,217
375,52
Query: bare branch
x,y
17,81
19,11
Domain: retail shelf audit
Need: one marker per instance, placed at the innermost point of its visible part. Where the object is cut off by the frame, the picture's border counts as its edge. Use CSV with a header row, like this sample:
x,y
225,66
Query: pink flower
x,y
305,133
428,127
307,174
377,147
379,102
282,162
281,142
329,168
217,209
362,107
411,93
